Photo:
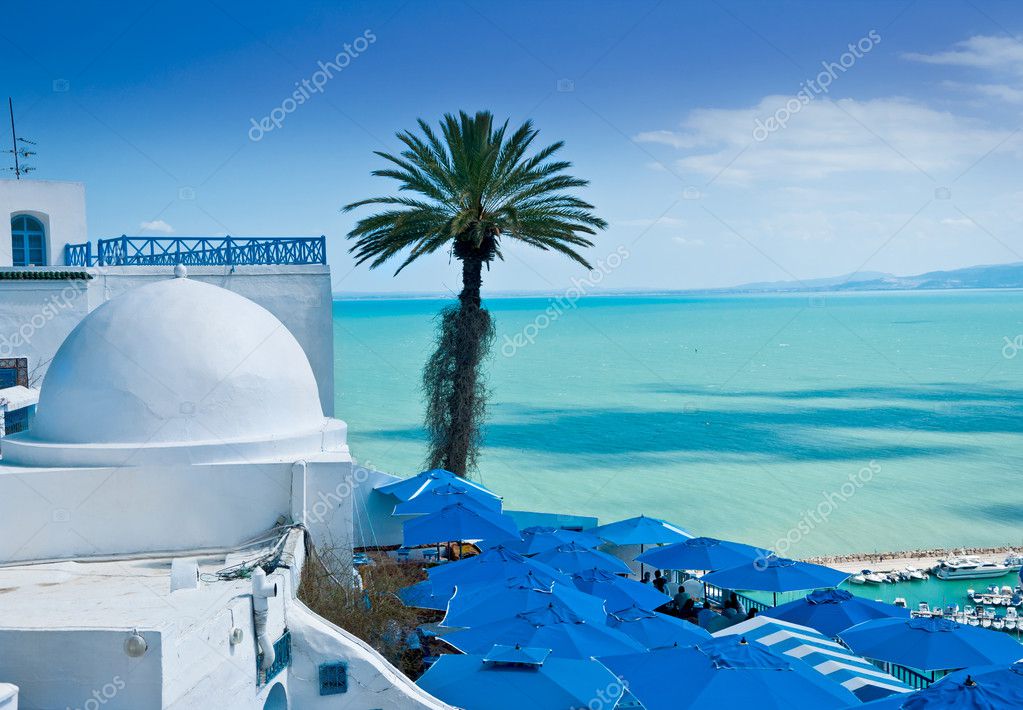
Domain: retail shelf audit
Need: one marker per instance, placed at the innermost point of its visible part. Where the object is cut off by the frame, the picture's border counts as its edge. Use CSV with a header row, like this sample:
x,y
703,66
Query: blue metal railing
x,y
198,251
716,595
914,679
78,254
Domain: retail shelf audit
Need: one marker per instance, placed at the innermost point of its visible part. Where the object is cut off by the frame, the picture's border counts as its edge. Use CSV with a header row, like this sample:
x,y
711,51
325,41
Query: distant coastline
x,y
1001,277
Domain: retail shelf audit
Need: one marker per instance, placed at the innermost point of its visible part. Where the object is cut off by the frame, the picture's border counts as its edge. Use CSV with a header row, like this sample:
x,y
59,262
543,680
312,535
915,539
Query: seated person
x,y
706,615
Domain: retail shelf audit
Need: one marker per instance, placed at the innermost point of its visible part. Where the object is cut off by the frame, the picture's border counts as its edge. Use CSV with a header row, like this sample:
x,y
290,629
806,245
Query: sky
x,y
725,142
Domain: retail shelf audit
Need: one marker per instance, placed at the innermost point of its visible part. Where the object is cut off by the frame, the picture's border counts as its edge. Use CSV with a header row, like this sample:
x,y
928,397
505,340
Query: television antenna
x,y
18,149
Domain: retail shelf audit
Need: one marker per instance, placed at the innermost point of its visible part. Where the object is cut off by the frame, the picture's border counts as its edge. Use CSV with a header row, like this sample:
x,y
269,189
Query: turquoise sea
x,y
835,423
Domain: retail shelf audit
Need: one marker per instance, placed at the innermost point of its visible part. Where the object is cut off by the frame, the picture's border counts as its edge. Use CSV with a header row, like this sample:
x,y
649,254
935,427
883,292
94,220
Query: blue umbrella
x,y
725,673
565,633
641,530
458,522
573,557
980,688
540,539
479,604
930,644
700,553
655,630
440,497
483,683
776,574
618,592
833,610
409,488
495,563
421,596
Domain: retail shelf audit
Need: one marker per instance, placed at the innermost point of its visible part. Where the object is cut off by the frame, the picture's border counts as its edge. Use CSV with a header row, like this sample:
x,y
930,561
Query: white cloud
x,y
688,242
659,221
957,221
997,56
1004,92
157,225
825,138
980,51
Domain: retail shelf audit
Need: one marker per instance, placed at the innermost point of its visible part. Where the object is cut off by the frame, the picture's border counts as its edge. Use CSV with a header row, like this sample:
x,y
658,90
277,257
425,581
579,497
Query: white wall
x,y
60,206
36,316
64,513
78,668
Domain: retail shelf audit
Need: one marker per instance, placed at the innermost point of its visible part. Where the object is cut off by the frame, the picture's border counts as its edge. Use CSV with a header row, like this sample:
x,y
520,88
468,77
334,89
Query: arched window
x,y
28,241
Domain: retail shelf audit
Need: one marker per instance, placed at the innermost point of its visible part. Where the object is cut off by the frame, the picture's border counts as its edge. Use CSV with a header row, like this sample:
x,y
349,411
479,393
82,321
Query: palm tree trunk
x,y
465,397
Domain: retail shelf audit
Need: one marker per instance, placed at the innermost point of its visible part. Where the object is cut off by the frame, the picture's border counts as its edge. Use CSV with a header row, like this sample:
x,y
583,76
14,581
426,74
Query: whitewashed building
x,y
156,515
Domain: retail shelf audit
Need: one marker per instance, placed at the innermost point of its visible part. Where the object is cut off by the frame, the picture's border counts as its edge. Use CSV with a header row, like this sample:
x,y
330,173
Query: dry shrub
x,y
374,613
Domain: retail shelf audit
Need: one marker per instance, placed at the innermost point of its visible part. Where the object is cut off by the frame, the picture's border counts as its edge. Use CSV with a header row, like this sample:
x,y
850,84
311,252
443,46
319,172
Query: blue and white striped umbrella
x,y
829,658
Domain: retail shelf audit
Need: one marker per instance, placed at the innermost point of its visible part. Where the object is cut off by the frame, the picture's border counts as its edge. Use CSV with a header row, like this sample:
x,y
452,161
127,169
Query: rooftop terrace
x,y
198,251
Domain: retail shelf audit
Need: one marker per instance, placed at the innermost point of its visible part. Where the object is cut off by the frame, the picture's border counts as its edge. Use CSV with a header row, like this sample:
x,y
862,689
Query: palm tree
x,y
466,189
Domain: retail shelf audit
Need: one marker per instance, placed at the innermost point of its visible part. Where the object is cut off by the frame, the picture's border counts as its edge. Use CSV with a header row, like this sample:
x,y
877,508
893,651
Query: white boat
x,y
1014,561
857,579
968,568
872,577
915,574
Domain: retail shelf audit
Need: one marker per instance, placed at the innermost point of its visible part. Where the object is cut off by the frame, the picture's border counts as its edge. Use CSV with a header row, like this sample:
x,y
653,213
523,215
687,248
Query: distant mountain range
x,y
990,276
987,276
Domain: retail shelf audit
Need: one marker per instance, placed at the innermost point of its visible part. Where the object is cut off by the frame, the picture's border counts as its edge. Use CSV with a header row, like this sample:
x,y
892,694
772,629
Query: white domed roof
x,y
174,364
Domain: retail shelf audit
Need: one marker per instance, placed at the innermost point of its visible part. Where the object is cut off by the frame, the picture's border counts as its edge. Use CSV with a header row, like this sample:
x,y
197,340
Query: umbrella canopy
x,y
458,522
641,531
539,539
480,683
725,673
479,604
821,653
980,688
655,630
618,592
833,610
700,553
439,497
573,558
421,596
409,488
931,644
494,563
558,628
776,574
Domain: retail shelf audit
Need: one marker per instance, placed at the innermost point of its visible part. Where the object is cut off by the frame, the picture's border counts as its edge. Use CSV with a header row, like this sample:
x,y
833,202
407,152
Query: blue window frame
x,y
28,241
